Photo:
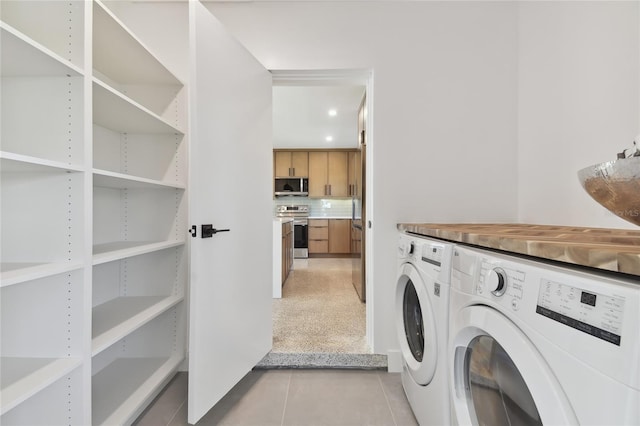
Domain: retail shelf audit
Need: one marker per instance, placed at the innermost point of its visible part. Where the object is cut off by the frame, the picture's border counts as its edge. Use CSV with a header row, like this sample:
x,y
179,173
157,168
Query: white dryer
x,y
422,302
533,343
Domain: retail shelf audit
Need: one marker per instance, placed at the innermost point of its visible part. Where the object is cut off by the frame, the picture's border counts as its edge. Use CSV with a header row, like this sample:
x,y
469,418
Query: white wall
x,y
445,81
578,81
484,111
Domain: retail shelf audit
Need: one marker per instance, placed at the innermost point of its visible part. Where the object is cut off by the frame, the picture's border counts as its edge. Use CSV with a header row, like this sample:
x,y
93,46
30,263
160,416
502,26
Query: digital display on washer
x,y
588,298
599,315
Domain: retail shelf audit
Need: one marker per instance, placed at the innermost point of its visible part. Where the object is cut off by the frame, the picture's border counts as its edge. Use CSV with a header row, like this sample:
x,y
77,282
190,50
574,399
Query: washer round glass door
x,y
415,325
498,375
496,391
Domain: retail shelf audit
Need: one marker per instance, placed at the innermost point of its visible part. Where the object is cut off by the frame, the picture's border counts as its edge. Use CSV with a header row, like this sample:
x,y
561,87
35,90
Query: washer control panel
x,y
597,314
432,253
501,282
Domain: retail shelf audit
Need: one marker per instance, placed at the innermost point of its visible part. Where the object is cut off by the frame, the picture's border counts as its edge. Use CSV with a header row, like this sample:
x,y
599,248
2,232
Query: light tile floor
x,y
318,397
294,397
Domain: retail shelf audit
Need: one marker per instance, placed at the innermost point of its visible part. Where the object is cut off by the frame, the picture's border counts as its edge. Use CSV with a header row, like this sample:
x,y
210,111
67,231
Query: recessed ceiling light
x,y
333,112
329,138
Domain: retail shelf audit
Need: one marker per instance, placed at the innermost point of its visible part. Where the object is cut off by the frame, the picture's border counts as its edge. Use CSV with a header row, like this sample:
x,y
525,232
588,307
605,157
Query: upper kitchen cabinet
x,y
291,163
355,174
328,174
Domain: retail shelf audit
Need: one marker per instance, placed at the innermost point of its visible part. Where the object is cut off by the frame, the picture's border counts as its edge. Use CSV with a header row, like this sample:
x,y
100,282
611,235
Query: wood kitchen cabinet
x,y
356,241
340,236
329,236
318,236
291,163
287,250
329,174
355,172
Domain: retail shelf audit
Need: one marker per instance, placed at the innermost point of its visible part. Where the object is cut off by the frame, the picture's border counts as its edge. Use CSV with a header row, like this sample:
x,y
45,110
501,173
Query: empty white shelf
x,y
22,378
107,179
121,389
16,273
29,58
117,318
17,163
121,56
108,252
113,110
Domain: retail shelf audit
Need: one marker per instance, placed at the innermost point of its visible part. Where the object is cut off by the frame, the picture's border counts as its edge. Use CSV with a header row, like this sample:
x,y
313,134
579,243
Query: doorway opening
x,y
324,315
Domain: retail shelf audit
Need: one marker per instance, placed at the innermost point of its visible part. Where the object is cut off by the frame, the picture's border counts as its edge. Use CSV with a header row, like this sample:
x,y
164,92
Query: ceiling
x,y
301,116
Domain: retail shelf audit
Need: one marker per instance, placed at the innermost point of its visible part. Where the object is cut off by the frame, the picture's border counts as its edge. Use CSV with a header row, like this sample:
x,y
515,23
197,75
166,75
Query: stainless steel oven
x,y
300,238
300,215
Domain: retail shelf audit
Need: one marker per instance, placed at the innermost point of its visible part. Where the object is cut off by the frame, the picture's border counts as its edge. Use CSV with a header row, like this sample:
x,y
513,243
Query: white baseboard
x,y
394,361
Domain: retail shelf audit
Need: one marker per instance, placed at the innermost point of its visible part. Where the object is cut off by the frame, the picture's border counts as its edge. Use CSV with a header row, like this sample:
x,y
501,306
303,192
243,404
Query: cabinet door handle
x,y
294,171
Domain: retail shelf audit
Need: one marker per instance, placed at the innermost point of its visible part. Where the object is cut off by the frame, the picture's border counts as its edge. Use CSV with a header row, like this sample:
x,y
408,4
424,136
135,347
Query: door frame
x,y
348,77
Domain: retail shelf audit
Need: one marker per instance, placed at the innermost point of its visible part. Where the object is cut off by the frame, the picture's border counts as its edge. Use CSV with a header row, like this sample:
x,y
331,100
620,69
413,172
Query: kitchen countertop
x,y
283,219
615,250
329,217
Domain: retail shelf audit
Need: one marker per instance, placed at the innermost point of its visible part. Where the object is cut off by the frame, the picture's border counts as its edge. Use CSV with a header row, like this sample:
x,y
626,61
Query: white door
x,y
230,188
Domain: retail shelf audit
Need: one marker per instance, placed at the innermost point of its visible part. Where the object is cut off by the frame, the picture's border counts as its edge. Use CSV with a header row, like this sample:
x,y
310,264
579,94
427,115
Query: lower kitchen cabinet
x,y
329,236
283,254
287,250
318,236
340,236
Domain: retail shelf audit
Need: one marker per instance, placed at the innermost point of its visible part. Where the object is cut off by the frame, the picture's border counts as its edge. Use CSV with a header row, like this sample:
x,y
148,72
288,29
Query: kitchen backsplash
x,y
340,208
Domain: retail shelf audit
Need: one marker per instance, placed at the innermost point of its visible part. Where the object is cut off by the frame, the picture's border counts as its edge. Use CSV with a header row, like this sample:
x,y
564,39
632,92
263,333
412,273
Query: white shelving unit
x,y
139,223
93,217
42,184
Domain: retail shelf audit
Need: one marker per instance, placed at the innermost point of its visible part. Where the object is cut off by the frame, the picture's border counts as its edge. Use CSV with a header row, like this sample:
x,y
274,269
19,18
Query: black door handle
x,y
209,231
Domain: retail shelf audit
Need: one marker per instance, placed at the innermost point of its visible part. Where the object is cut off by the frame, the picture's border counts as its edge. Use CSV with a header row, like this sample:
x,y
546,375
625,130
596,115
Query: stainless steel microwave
x,y
291,186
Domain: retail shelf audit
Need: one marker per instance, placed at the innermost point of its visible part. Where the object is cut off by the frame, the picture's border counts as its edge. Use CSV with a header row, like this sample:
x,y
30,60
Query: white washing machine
x,y
422,304
532,343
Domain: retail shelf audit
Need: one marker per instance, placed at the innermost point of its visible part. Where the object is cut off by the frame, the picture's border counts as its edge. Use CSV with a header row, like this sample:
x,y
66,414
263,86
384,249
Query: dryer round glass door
x,y
415,325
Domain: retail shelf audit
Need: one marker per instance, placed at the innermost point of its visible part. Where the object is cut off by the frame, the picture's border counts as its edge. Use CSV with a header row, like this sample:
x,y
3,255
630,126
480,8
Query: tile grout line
x,y
387,399
286,399
176,413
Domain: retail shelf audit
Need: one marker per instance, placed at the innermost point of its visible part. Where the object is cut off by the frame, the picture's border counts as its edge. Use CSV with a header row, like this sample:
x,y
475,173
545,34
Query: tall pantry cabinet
x,y
94,210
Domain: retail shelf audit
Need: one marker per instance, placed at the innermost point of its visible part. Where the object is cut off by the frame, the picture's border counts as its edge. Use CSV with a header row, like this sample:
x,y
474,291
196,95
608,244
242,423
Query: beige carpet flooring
x,y
319,311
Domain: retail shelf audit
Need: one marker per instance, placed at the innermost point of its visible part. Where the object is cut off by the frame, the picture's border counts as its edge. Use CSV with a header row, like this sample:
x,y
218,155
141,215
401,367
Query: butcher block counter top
x,y
615,250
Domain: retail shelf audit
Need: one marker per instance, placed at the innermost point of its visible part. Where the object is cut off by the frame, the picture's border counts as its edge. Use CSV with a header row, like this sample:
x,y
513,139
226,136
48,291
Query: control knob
x,y
411,249
497,281
407,249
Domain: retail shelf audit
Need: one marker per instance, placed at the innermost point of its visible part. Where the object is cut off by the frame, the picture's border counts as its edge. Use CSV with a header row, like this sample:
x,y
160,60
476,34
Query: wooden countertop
x,y
615,250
